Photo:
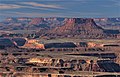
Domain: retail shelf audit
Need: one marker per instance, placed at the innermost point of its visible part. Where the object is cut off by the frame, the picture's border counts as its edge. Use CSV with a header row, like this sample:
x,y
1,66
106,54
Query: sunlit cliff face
x,y
88,61
34,44
90,44
32,41
40,60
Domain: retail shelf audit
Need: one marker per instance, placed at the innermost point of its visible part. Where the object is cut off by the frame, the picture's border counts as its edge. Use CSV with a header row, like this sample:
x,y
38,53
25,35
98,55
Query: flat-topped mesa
x,y
88,23
79,20
83,20
78,26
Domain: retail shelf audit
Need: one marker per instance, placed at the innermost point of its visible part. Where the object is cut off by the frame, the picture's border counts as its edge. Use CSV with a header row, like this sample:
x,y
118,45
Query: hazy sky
x,y
59,8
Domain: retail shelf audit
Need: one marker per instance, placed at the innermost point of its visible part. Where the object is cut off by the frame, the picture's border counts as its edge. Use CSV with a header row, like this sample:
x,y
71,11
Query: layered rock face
x,y
78,26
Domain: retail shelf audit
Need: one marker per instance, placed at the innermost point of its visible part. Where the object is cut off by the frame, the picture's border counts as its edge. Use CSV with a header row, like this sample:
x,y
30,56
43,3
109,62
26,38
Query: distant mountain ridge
x,y
64,27
21,23
108,23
